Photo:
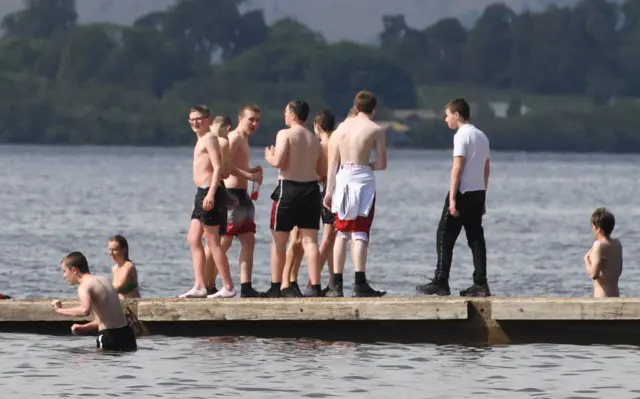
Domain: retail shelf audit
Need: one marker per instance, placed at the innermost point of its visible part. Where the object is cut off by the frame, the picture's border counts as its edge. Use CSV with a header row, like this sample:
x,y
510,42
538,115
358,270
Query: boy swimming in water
x,y
96,295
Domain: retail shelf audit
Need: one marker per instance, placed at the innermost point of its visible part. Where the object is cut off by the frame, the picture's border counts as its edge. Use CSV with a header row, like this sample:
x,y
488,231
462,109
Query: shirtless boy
x,y
323,125
300,160
604,259
209,215
350,149
241,212
220,126
96,295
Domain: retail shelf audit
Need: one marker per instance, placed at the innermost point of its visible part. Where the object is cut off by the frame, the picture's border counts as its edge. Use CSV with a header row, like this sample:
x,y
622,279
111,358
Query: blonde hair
x,y
352,112
220,122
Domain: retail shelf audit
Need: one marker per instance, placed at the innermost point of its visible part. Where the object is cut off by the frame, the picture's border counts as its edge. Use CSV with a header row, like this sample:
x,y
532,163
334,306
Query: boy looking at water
x,y
604,259
96,295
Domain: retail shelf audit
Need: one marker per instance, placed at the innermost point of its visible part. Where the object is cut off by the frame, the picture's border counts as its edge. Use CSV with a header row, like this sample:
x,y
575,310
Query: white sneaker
x,y
223,293
195,293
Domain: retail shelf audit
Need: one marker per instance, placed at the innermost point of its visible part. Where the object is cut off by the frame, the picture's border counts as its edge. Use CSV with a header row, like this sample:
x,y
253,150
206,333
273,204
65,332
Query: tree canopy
x,y
66,83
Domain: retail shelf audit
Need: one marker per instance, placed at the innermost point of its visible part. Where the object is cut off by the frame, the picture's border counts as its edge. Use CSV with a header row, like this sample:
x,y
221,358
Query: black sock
x,y
294,283
245,287
360,278
275,287
337,278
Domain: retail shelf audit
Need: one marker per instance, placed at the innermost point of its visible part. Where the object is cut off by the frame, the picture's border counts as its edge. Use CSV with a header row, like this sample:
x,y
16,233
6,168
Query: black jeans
x,y
470,206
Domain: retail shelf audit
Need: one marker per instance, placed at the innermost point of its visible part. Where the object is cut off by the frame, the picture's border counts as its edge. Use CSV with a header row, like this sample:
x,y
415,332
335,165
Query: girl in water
x,y
125,276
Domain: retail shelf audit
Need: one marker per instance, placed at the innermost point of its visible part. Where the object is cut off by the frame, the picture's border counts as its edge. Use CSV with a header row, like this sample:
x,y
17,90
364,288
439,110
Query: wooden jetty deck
x,y
437,320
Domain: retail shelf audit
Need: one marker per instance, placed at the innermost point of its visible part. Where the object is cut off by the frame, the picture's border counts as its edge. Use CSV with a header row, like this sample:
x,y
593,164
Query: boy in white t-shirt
x,y
464,205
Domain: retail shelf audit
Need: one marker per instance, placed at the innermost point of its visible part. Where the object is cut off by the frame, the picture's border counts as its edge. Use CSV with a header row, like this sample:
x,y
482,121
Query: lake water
x,y
54,200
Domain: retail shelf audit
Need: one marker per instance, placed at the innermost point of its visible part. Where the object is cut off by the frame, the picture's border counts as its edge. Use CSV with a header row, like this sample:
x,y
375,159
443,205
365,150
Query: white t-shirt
x,y
472,144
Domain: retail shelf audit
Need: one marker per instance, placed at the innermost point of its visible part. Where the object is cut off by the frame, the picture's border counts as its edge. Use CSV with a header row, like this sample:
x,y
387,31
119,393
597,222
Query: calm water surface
x,y
58,199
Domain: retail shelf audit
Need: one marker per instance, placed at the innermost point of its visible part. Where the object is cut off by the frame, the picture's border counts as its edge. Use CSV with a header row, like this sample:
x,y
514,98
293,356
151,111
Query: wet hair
x,y
325,120
78,260
300,109
365,102
604,220
122,244
250,107
219,122
203,109
460,106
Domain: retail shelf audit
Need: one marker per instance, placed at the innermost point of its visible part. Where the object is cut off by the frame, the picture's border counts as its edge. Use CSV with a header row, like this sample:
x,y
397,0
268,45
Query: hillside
x,y
349,22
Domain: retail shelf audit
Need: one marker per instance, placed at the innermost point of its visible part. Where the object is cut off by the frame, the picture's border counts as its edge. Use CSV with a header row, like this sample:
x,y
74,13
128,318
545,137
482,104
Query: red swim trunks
x,y
240,213
361,224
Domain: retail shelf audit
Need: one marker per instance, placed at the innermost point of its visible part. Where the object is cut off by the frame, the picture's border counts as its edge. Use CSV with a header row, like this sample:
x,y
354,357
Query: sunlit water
x,y
57,199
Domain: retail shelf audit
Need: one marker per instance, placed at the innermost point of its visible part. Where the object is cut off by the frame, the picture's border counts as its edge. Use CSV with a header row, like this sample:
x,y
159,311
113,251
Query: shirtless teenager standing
x,y
209,215
96,295
241,212
350,149
323,126
220,126
604,259
300,160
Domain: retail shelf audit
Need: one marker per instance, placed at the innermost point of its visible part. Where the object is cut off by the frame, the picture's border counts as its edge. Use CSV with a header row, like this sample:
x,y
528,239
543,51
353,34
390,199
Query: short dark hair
x,y
203,109
300,109
604,220
325,120
460,106
365,102
78,260
250,107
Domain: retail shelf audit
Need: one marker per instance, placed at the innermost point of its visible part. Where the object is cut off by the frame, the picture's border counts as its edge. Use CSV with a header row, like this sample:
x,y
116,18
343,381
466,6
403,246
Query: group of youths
x,y
323,177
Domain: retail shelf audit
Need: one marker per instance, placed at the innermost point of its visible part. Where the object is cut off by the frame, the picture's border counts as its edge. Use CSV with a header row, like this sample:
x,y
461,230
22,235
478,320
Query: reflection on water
x,y
43,366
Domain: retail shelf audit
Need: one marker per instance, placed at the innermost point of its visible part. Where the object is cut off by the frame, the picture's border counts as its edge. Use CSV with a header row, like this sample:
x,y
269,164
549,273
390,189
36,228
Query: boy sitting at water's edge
x,y
96,295
604,259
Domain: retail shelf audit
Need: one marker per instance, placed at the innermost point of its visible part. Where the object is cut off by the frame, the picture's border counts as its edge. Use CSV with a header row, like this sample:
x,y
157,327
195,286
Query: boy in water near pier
x,y
96,295
604,259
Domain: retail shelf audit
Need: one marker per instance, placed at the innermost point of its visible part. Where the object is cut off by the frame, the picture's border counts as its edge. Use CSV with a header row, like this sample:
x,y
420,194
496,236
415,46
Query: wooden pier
x,y
437,320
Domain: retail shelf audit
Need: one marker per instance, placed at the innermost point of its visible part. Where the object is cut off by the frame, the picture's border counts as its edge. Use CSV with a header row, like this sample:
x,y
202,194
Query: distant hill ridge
x,y
335,19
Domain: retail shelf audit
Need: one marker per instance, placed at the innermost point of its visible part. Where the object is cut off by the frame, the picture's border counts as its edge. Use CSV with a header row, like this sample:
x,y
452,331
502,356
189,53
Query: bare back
x,y
202,165
355,138
324,143
606,285
304,157
239,157
105,303
224,155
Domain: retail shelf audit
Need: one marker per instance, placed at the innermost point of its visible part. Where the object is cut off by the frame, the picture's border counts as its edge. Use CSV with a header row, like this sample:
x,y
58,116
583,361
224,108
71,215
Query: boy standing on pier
x,y
96,295
604,259
464,205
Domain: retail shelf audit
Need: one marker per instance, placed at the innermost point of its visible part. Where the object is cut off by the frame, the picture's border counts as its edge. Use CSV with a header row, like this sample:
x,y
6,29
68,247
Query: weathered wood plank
x,y
303,309
550,308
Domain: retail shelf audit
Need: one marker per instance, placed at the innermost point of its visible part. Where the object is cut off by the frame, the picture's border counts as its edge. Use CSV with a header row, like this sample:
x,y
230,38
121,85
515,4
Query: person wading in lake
x,y
125,275
464,205
96,295
604,259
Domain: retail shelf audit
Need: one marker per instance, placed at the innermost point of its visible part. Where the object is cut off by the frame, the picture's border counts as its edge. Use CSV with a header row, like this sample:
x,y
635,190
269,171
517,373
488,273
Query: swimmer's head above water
x,y
74,266
118,249
602,222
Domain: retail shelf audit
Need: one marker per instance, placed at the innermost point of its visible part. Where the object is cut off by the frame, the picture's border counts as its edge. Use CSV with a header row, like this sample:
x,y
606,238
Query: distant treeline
x,y
61,82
